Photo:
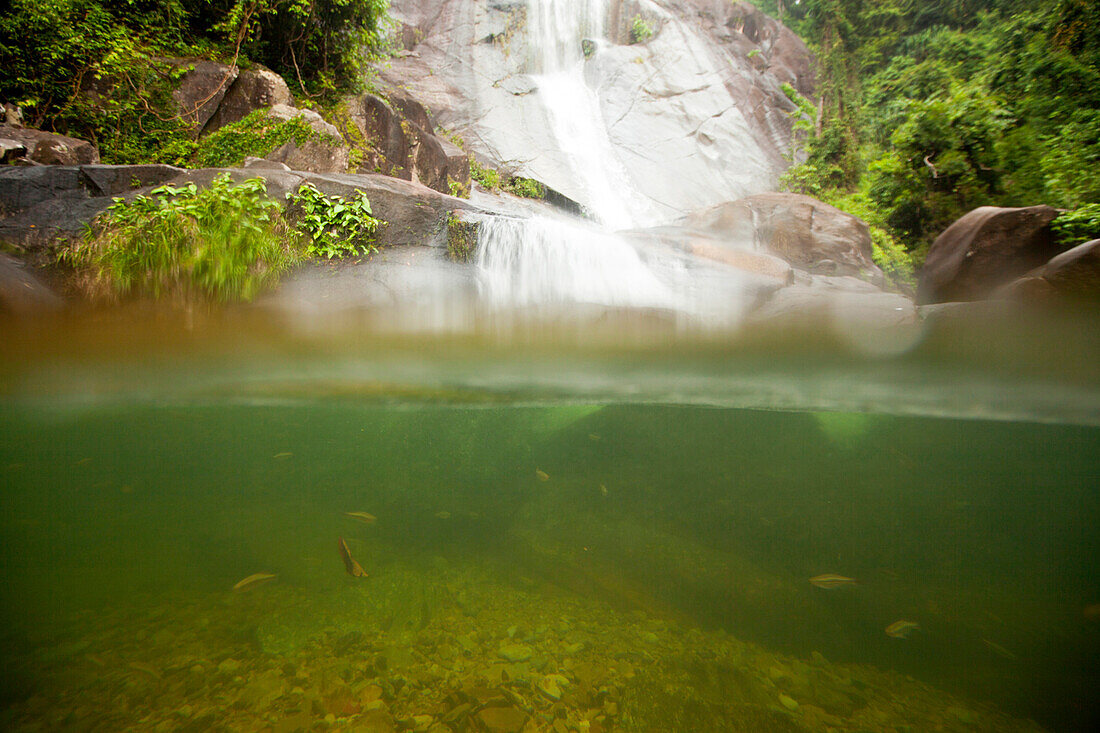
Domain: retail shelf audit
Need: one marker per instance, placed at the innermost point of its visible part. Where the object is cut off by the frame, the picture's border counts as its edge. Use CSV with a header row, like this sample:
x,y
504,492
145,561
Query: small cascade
x,y
544,261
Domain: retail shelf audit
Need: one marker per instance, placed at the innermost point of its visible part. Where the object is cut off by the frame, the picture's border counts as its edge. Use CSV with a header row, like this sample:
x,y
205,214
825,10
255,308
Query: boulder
x,y
21,292
48,148
1071,276
201,89
326,153
809,234
985,249
255,88
11,151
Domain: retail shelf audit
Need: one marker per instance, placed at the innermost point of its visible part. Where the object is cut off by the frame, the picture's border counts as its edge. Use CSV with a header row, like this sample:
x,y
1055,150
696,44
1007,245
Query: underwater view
x,y
299,534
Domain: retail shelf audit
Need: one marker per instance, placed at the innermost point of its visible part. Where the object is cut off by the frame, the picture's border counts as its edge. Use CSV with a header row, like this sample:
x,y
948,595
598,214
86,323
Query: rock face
x,y
39,203
691,119
401,144
1071,276
328,154
985,249
807,233
202,89
47,148
254,89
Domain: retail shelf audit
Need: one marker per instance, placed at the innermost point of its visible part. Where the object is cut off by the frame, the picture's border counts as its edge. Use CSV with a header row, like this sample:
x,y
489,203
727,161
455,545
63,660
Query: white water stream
x,y
543,261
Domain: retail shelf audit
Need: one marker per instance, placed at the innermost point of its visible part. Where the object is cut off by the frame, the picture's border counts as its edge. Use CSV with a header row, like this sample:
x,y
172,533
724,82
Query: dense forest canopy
x,y
930,108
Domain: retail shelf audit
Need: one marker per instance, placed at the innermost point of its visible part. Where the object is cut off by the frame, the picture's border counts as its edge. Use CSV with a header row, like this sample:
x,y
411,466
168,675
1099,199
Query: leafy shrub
x,y
526,187
336,227
640,30
225,242
487,177
1078,226
255,135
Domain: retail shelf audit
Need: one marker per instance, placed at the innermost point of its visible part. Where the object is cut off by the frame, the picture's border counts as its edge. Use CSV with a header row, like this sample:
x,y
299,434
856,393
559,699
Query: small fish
x,y
282,455
363,517
902,629
354,569
541,475
603,489
832,580
442,515
594,437
252,581
999,650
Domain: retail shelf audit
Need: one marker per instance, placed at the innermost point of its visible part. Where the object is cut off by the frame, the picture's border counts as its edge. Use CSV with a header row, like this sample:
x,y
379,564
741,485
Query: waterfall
x,y
542,262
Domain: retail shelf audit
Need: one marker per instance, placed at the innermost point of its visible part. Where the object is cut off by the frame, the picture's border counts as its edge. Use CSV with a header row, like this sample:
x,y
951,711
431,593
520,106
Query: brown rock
x,y
1075,274
48,148
21,292
255,88
501,720
985,249
809,234
202,89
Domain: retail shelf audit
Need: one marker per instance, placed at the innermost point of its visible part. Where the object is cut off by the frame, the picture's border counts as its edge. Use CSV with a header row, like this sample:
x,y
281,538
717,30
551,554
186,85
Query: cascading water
x,y
543,261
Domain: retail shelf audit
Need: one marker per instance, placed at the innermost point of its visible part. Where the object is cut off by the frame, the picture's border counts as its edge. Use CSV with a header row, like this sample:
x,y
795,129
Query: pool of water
x,y
561,535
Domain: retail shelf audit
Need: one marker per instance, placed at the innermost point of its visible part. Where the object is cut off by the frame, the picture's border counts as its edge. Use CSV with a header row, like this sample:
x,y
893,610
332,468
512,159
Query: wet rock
x,y
501,719
689,100
312,156
809,234
22,293
255,88
985,249
47,148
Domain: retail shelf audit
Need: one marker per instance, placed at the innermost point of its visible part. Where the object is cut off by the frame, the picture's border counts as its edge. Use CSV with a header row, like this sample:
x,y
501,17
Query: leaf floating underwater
x,y
832,580
363,517
252,581
442,515
354,569
902,629
541,475
282,455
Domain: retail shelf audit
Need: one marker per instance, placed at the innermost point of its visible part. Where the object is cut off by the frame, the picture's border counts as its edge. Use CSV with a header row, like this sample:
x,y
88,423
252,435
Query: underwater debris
x,y
603,489
282,455
999,650
252,581
832,580
442,515
354,568
541,475
363,517
902,629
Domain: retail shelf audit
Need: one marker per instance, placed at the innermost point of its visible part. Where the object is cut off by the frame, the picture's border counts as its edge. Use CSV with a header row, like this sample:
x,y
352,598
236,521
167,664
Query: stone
x,y
809,234
11,150
1073,275
501,719
313,119
312,156
48,148
255,88
201,89
22,293
985,249
516,652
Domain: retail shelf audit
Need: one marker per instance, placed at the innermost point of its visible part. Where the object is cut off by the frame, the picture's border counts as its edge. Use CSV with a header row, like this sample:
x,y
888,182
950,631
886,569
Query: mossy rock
x,y
461,237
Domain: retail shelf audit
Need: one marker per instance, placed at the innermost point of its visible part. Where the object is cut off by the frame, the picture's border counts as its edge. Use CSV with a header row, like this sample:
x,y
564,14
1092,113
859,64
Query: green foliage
x,y
487,177
458,189
225,242
90,68
255,135
1078,226
461,238
933,108
526,187
640,30
335,227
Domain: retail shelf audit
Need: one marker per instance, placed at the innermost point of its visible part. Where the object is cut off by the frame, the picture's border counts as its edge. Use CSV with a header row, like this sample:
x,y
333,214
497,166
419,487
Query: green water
x,y
647,562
